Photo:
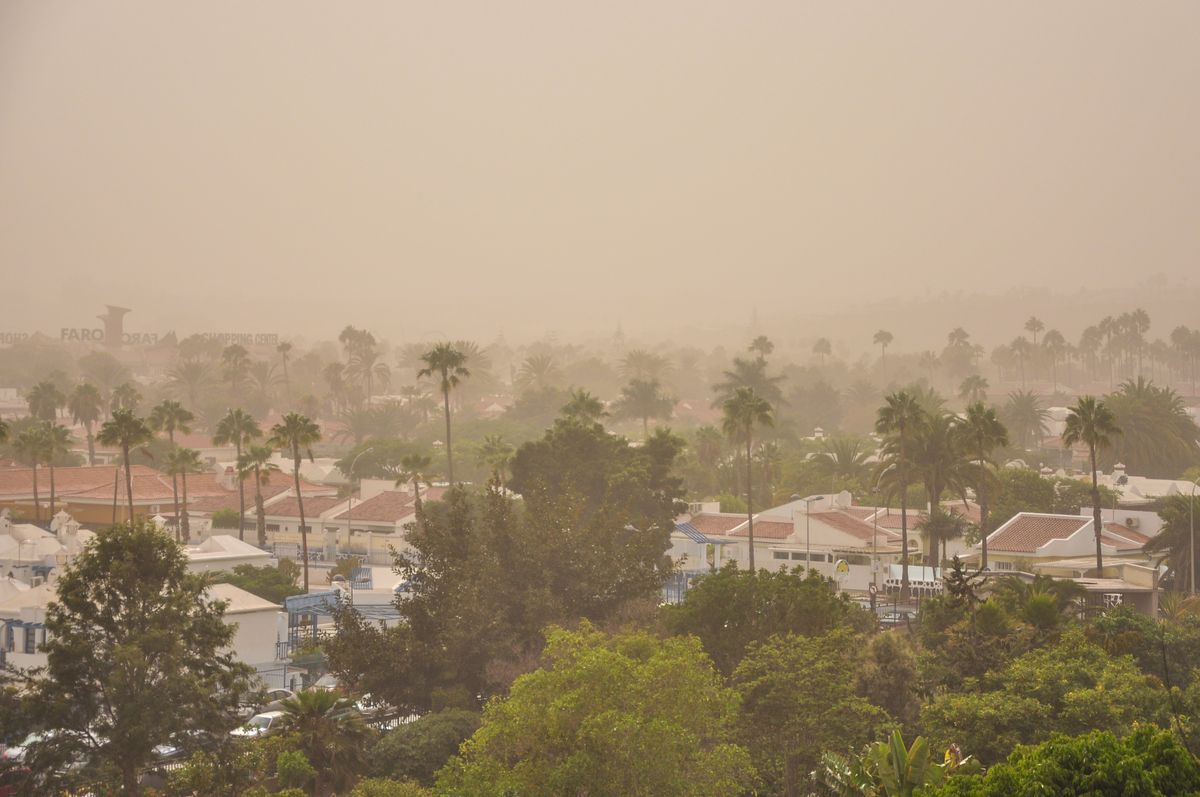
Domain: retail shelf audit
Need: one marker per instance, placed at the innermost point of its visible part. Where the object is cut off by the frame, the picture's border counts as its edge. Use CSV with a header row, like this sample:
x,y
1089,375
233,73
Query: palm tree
x,y
538,373
1092,423
822,348
883,339
1178,512
1034,326
644,399
642,364
29,446
366,366
984,433
128,431
170,417
1055,344
86,406
235,364
181,462
1024,414
296,434
284,348
4,431
584,407
937,453
844,457
1020,348
496,453
237,428
752,374
449,364
973,389
1158,436
256,462
44,400
899,420
126,396
57,443
743,411
939,527
763,346
413,468
331,734
188,379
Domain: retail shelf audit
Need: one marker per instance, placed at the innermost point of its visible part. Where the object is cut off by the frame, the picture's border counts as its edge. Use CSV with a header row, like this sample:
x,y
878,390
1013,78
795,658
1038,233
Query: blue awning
x,y
694,534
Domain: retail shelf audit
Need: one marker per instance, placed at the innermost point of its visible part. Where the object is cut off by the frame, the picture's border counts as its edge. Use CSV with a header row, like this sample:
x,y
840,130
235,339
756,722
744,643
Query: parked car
x,y
12,779
275,698
892,619
259,725
16,753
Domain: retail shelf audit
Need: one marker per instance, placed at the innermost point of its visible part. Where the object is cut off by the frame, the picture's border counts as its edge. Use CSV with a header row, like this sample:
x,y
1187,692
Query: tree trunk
x,y
904,538
116,481
52,491
91,441
187,528
1096,522
37,504
129,780
300,501
129,483
241,492
449,453
260,520
750,503
174,487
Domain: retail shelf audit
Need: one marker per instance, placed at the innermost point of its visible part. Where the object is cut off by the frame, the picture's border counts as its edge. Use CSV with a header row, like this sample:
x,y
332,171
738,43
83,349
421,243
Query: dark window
x,y
780,554
30,639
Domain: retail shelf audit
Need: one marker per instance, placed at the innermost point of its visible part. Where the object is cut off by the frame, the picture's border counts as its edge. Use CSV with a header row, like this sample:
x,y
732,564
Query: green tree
x,y
269,582
584,407
132,631
1092,423
797,700
331,735
883,339
417,750
741,413
171,417
644,399
449,365
45,400
238,428
973,389
822,348
255,463
56,445
1024,414
1158,436
609,717
731,609
86,405
1178,513
983,433
888,769
900,419
497,454
181,462
751,374
1148,762
125,396
30,447
413,468
296,435
129,432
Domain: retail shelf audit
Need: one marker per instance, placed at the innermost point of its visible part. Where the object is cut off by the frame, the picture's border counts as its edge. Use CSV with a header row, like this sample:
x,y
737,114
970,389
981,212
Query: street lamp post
x,y
350,507
808,529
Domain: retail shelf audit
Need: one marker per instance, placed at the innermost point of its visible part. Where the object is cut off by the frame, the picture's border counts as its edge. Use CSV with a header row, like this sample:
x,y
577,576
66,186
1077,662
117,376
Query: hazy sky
x,y
467,168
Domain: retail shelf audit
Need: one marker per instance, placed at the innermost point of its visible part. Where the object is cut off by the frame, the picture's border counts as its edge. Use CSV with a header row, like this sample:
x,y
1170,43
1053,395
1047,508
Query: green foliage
x,y
1148,763
732,608
731,503
609,717
382,787
888,769
225,519
272,583
330,733
1025,490
798,699
887,676
1071,686
1166,650
293,769
132,631
417,750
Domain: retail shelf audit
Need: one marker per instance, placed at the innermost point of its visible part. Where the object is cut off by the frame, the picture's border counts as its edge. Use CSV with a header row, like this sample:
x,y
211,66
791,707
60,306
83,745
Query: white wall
x,y
256,635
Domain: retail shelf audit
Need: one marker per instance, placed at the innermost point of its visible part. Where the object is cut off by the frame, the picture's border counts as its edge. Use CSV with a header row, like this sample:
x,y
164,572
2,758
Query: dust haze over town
x,y
672,397
675,169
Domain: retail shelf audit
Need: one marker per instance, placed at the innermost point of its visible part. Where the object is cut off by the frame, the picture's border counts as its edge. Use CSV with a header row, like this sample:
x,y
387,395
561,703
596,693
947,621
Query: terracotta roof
x,y
389,506
710,523
229,500
1135,537
766,530
855,527
861,512
289,507
1026,533
16,482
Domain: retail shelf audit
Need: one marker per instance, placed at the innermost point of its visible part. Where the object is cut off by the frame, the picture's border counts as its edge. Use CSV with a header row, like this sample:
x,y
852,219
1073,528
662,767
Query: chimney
x,y
1118,471
229,478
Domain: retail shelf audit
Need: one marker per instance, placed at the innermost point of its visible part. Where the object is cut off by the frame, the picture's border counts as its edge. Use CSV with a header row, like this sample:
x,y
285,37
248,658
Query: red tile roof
x,y
289,507
1026,533
709,523
17,482
855,527
229,500
389,506
766,530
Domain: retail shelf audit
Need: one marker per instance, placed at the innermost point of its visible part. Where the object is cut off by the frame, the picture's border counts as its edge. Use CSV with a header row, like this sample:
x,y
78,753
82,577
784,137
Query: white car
x,y
259,725
16,753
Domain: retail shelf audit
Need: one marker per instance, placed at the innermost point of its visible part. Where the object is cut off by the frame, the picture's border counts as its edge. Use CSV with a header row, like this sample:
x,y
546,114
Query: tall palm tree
x,y
449,364
583,406
984,433
126,396
44,400
188,379
1034,326
900,419
57,444
973,388
1026,417
742,413
29,446
413,468
644,399
538,372
86,406
752,374
367,367
256,462
1092,423
1055,344
1021,349
822,348
129,432
296,434
762,346
1158,436
170,417
883,339
496,453
238,428
284,348
235,365
843,457
181,462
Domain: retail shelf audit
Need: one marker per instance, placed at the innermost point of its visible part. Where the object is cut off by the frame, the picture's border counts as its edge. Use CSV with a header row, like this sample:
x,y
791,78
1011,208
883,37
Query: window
x,y
305,529
780,554
857,559
9,644
272,527
30,639
798,556
1004,565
